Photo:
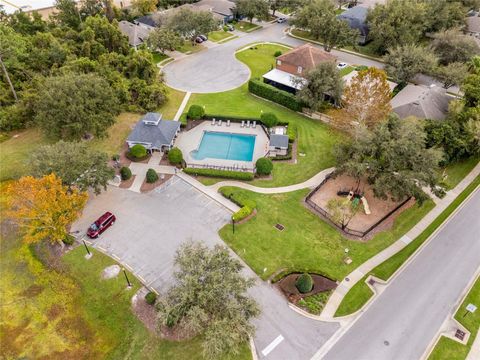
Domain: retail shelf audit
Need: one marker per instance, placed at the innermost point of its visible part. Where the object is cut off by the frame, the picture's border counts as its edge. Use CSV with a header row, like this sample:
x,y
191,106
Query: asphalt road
x,y
405,318
217,69
150,227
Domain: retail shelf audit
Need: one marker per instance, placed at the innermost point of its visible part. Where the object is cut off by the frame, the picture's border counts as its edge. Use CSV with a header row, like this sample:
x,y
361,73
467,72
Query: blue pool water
x,y
225,146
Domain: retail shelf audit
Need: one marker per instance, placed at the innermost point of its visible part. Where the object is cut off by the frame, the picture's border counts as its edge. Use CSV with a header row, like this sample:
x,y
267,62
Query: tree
x,y
143,7
444,14
304,283
264,166
452,74
190,23
342,211
365,101
72,106
209,297
92,8
269,119
107,34
404,62
279,4
321,83
175,156
67,14
396,23
27,23
76,164
320,18
393,158
252,9
163,39
452,46
44,208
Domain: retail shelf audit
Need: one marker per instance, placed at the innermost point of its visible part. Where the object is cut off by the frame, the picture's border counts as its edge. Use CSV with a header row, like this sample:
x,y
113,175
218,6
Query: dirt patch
x,y
54,312
32,291
361,221
127,183
164,160
110,272
146,187
320,284
123,161
146,313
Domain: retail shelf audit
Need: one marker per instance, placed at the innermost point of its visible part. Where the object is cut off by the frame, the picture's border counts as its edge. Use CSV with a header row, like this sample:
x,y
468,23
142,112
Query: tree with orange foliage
x,y
43,207
365,101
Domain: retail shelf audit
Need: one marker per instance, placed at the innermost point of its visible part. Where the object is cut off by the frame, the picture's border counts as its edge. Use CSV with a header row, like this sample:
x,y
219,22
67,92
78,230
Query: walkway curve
x,y
310,183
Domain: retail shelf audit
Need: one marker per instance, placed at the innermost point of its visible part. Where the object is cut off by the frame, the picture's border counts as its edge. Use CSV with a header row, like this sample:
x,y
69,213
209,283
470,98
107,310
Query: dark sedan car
x,y
101,224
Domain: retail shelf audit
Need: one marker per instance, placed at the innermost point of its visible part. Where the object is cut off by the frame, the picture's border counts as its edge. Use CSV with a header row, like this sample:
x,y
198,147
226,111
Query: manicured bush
x,y
125,173
237,175
150,298
138,151
69,239
225,28
238,198
242,213
264,166
259,88
195,112
269,119
304,283
152,176
277,53
175,156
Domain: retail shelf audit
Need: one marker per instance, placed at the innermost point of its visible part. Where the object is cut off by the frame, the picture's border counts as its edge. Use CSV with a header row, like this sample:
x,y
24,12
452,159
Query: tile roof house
x,y
357,19
154,133
292,66
422,102
136,33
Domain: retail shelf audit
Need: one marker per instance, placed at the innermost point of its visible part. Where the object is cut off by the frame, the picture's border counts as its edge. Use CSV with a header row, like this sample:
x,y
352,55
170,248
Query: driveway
x,y
217,69
149,229
404,319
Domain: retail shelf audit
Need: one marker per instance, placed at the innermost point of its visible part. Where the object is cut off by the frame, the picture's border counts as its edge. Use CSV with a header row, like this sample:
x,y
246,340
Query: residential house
x,y
278,145
349,77
473,25
292,66
356,17
422,102
137,33
154,133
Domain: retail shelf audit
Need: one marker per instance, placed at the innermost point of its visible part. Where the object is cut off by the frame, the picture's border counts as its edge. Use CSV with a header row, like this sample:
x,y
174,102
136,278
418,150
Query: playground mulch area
x,y
361,221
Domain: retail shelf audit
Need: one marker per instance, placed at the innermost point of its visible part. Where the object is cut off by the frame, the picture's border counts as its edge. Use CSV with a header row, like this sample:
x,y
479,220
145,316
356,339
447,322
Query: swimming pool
x,y
225,146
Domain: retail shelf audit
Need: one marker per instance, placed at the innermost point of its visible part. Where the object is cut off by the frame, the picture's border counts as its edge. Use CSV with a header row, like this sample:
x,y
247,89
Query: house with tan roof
x,y
291,67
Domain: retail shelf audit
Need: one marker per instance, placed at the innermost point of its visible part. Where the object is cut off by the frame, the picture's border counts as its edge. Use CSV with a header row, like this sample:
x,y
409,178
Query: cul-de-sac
x,y
240,179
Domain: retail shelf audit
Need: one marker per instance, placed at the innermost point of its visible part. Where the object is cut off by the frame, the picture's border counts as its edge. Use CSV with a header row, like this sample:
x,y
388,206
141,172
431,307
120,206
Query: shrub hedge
x,y
264,166
195,112
152,176
175,156
238,198
150,298
304,283
242,213
237,175
259,88
269,119
69,239
277,53
292,132
125,173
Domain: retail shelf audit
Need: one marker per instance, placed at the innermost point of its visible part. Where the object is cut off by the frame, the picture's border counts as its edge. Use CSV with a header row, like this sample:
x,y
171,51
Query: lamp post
x,y
86,248
233,225
126,277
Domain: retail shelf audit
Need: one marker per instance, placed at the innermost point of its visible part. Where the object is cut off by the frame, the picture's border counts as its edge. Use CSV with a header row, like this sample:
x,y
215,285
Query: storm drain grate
x,y
460,334
279,227
371,282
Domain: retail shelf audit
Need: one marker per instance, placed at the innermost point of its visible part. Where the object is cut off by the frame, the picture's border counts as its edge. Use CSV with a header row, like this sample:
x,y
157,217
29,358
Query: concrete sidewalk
x,y
355,276
310,183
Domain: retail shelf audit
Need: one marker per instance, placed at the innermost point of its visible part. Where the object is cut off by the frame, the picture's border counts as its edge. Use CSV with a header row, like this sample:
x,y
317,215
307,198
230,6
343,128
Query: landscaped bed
x,y
162,178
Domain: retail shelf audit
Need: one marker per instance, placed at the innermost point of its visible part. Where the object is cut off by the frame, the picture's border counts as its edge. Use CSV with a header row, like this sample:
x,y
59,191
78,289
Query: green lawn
x,y
189,48
360,292
219,35
448,349
158,57
315,139
455,172
246,26
347,70
307,242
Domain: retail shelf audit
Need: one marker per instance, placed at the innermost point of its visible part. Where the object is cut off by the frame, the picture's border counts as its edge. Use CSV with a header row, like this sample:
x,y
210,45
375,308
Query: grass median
x,y
360,293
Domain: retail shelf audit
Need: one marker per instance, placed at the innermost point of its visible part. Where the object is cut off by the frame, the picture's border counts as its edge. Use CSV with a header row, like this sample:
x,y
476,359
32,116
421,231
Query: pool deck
x,y
190,140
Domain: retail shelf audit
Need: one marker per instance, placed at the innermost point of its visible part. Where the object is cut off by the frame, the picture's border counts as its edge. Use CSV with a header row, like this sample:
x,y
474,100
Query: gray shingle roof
x,y
356,18
422,102
157,135
280,141
136,34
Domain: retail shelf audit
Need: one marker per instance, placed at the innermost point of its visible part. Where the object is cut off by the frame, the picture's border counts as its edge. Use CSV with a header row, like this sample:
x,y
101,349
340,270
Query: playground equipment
x,y
356,197
366,208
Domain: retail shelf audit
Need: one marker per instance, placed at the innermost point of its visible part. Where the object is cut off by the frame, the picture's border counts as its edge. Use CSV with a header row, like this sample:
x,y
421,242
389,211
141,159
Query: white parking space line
x,y
272,345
